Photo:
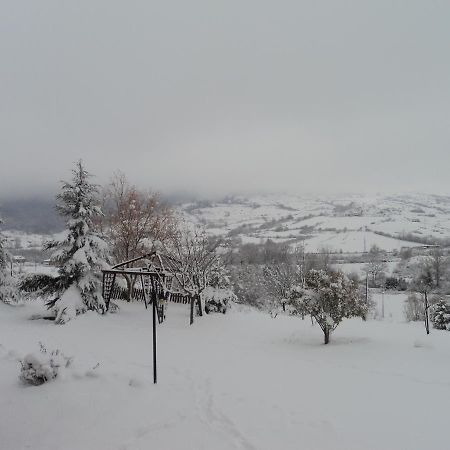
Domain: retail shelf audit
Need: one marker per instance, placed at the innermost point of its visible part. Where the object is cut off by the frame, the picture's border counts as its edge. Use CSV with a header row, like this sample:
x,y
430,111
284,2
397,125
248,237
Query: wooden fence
x,y
121,293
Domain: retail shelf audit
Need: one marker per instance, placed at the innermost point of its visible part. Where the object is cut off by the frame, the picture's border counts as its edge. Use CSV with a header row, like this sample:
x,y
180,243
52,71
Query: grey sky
x,y
220,96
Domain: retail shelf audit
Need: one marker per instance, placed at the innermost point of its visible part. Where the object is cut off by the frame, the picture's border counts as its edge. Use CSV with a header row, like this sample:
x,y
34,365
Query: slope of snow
x,y
237,381
297,218
20,240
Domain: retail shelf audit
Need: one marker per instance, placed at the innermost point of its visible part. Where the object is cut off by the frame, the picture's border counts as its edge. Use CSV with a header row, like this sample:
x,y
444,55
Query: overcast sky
x,y
223,96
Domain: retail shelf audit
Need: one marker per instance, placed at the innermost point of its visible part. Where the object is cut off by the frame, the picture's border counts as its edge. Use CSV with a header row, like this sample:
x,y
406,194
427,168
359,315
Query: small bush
x,y
37,369
414,309
218,300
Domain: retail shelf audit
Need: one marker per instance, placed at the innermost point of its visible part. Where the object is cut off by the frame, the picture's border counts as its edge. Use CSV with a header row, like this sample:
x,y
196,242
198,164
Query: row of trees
x,y
120,222
299,284
428,286
111,225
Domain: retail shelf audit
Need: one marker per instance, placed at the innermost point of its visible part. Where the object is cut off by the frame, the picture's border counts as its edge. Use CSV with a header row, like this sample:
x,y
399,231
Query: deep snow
x,y
237,381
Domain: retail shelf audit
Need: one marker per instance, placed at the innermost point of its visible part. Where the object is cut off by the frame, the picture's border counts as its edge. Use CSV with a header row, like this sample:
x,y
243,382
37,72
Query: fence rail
x,y
121,293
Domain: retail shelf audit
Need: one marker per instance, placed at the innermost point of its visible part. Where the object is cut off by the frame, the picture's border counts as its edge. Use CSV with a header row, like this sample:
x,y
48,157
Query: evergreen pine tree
x,y
80,253
441,315
8,291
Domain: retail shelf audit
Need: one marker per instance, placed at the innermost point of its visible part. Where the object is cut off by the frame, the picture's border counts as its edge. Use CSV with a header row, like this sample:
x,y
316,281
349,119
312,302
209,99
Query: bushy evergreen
x,y
441,315
80,252
8,290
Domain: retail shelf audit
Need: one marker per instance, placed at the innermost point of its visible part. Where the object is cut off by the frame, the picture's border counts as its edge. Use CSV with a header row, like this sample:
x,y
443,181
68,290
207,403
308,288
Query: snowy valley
x,y
255,377
224,225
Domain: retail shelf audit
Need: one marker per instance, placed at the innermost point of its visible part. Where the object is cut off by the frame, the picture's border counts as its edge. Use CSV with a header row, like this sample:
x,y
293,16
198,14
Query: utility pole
x,y
365,246
427,320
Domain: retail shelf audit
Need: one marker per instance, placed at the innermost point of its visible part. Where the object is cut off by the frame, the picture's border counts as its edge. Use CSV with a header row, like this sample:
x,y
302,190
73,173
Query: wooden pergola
x,y
157,282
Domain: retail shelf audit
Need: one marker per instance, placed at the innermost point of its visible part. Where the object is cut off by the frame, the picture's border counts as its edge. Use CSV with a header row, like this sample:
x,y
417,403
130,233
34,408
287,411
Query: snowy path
x,y
241,381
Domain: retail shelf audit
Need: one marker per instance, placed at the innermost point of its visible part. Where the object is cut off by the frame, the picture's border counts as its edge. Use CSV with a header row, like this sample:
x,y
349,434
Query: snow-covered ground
x,y
353,241
237,381
359,268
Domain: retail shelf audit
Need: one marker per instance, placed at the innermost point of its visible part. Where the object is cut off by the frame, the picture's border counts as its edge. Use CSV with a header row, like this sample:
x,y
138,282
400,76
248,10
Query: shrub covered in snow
x,y
441,315
38,368
414,308
217,299
248,285
68,306
328,297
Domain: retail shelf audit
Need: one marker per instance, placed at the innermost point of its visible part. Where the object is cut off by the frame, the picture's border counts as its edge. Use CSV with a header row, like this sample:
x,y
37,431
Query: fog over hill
x,y
31,215
347,223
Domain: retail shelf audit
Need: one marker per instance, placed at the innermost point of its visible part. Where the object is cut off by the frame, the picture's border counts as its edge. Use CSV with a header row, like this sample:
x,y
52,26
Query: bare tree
x,y
376,266
194,260
438,264
414,308
318,261
423,283
280,279
135,222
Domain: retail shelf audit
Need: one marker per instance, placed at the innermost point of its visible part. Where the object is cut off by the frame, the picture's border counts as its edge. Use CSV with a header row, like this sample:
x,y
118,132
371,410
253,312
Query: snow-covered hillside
x,y
350,223
237,381
19,240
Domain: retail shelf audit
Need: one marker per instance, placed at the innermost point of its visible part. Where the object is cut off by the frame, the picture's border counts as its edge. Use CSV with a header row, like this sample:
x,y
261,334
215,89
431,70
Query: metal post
x,y
144,291
154,330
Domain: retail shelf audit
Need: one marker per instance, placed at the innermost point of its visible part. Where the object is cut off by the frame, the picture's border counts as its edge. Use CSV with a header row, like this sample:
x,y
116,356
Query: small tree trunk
x,y
199,304
326,333
191,320
129,288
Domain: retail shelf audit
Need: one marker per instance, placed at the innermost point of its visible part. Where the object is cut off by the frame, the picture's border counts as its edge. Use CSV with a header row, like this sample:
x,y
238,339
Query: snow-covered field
x,y
353,241
20,240
237,381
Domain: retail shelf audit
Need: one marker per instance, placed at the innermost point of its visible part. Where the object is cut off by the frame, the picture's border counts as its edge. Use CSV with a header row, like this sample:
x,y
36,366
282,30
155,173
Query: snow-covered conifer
x,y
441,315
8,291
80,253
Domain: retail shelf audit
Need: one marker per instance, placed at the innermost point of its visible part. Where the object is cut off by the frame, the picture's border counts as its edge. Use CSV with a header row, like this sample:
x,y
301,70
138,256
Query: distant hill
x,y
339,223
30,216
